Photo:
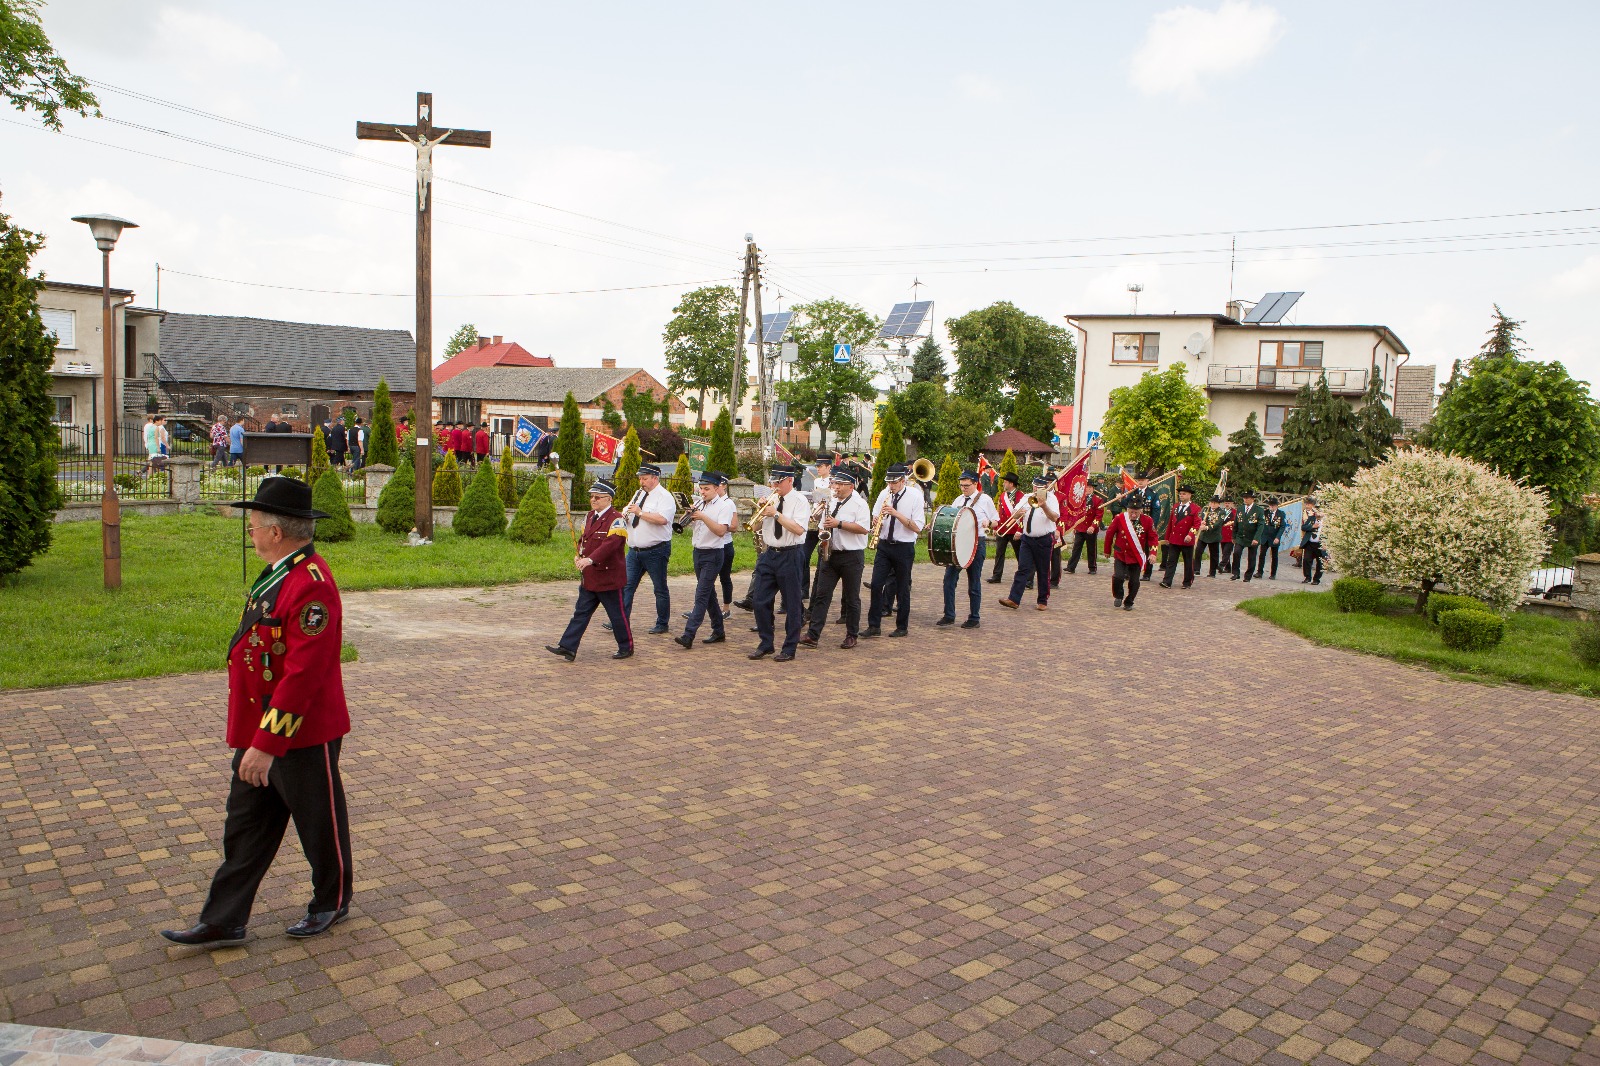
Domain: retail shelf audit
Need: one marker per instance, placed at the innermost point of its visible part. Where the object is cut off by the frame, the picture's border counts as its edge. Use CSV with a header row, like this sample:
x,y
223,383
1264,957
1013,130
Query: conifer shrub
x,y
535,519
481,513
397,503
447,482
327,494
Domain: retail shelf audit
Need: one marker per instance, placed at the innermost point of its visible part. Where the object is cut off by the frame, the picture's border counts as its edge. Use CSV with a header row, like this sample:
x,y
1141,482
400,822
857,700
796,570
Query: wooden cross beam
x,y
424,137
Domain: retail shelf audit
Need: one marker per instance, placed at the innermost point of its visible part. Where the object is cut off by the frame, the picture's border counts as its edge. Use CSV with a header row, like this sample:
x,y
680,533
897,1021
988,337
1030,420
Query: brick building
x,y
499,394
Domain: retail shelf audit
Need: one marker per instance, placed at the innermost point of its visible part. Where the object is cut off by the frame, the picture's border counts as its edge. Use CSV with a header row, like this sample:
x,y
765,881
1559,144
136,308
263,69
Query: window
x,y
504,427
64,324
1135,347
290,410
63,409
1274,422
241,408
1291,353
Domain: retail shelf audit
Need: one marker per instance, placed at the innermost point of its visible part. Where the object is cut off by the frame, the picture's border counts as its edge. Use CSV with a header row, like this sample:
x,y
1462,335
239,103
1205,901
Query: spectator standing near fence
x,y
480,442
219,442
338,442
358,445
236,442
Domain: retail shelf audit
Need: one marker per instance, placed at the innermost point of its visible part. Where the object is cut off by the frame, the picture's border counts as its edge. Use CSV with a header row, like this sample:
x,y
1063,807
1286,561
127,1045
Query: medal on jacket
x,y
278,647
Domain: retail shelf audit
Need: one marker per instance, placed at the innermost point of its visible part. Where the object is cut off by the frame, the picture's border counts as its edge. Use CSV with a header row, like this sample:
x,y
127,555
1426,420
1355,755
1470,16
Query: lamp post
x,y
106,230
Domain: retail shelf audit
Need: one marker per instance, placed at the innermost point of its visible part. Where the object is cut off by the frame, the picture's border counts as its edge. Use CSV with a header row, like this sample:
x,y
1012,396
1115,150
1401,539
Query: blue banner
x,y
526,437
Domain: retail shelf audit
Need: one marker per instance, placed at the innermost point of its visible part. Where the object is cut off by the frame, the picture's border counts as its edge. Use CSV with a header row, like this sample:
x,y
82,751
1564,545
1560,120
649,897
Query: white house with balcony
x,y
1244,366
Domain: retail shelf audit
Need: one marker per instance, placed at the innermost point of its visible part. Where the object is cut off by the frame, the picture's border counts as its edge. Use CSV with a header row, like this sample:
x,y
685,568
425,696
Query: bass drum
x,y
953,536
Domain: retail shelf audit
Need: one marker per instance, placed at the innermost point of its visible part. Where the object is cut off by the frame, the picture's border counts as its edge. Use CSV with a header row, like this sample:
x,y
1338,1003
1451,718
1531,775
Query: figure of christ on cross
x,y
424,137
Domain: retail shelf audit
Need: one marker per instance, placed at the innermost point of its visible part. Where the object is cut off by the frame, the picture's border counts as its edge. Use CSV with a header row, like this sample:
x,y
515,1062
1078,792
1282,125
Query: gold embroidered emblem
x,y
313,618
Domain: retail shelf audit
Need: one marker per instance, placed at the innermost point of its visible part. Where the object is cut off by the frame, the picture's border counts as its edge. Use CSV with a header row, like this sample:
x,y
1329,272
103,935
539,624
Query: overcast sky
x,y
1048,154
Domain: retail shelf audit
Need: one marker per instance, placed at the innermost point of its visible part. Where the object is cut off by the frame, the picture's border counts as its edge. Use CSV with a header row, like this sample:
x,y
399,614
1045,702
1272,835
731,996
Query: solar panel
x,y
1262,307
773,327
1272,308
905,320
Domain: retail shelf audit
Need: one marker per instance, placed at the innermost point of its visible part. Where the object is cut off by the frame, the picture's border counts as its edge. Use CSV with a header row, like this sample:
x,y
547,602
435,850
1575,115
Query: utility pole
x,y
735,388
424,136
752,284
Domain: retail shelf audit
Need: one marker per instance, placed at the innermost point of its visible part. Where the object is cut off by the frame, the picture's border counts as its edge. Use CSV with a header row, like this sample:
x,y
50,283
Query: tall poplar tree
x,y
29,495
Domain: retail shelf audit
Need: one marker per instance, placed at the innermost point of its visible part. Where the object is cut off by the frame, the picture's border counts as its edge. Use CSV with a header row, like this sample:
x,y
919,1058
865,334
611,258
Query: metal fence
x,y
80,462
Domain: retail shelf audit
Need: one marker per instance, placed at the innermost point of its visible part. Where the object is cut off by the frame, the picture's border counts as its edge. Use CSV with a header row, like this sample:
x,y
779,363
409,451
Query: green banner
x,y
699,455
1159,496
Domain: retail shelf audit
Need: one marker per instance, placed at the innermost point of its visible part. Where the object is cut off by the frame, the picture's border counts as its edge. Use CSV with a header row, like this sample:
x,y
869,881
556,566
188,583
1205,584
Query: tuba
x,y
923,470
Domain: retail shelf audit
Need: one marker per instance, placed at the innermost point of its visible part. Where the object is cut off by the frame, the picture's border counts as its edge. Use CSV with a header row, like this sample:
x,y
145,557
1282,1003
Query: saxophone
x,y
877,526
824,536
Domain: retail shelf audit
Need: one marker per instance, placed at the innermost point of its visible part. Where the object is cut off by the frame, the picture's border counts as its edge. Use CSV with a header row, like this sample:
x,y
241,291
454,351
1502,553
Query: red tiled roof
x,y
1064,419
508,354
1018,441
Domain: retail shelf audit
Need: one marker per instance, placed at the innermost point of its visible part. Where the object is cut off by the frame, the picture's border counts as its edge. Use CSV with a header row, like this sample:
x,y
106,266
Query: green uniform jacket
x,y
1211,525
1245,523
1270,531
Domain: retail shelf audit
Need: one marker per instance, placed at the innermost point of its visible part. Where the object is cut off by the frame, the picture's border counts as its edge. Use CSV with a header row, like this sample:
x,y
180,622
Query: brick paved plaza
x,y
1176,835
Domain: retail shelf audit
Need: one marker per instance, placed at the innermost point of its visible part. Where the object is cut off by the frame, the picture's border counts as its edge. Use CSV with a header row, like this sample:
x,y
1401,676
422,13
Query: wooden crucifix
x,y
424,136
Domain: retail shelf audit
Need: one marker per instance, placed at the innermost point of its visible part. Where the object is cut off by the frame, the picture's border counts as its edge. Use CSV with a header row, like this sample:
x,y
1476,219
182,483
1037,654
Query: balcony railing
x,y
1341,381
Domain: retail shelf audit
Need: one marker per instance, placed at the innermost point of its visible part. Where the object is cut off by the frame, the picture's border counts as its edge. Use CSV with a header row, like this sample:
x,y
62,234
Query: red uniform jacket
x,y
1184,525
461,440
285,687
1094,513
605,540
1227,525
1006,506
1119,545
481,442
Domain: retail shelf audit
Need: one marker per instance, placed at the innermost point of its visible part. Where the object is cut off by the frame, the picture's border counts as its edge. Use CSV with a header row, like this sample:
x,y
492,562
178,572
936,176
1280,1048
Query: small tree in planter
x,y
535,519
319,456
682,479
506,479
1423,518
481,513
327,494
397,503
447,482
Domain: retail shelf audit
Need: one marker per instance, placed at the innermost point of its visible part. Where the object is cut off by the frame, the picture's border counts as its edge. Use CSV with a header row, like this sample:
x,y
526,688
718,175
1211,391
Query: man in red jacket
x,y
286,719
1130,542
1183,528
1087,532
602,562
480,443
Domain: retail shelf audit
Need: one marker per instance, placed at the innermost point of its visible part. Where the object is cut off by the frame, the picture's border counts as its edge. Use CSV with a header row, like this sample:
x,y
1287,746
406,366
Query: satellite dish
x,y
1196,344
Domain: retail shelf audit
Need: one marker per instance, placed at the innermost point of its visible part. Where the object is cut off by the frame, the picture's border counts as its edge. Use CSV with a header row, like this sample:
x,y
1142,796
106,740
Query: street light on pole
x,y
106,229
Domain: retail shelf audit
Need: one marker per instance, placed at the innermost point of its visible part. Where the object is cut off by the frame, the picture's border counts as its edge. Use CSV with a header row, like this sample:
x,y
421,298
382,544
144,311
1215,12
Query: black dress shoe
x,y
1116,601
808,642
201,935
783,657
971,623
606,626
1127,607
992,580
760,653
745,604
839,621
685,641
898,632
1166,584
871,631
623,653
657,630
320,922
715,638
556,649
848,642
945,622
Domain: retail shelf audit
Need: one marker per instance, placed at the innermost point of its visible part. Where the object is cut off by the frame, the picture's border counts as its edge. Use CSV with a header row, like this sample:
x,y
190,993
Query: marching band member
x,y
1269,534
1131,543
821,490
709,523
900,507
1212,520
603,569
1246,521
850,520
1033,555
725,576
649,518
1230,511
983,510
1009,500
1086,534
1182,528
778,567
1311,552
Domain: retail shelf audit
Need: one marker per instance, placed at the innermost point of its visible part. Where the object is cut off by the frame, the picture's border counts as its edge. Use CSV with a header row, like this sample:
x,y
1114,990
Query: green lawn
x,y
1537,651
182,590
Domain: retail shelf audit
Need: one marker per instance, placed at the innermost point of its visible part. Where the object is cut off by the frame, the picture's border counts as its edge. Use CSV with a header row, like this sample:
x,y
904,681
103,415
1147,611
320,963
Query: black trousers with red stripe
x,y
303,785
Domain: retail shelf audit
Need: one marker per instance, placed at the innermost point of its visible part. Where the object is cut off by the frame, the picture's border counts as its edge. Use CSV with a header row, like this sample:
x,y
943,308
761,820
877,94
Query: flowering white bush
x,y
1424,518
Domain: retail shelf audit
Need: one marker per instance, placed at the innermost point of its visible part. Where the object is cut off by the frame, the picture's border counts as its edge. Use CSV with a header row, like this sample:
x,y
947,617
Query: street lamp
x,y
106,230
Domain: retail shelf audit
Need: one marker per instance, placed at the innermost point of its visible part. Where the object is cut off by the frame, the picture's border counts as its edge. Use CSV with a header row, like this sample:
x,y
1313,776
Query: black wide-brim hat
x,y
282,495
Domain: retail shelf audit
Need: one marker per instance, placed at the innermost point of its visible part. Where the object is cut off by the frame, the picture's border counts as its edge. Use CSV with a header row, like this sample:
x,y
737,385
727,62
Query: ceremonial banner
x,y
783,453
1294,512
605,448
527,436
988,480
1160,494
1128,484
699,455
1072,492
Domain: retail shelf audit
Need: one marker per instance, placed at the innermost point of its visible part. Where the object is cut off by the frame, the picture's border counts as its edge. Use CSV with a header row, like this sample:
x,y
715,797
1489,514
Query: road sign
x,y
841,353
1091,438
1055,440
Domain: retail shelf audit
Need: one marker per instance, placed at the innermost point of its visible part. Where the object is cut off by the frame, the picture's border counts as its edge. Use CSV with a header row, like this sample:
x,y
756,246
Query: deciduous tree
x,y
1001,346
1159,422
1032,415
822,391
967,424
462,339
700,340
921,409
32,76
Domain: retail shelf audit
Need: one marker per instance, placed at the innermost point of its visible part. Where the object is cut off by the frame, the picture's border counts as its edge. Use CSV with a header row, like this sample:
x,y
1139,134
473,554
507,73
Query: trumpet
x,y
686,510
758,517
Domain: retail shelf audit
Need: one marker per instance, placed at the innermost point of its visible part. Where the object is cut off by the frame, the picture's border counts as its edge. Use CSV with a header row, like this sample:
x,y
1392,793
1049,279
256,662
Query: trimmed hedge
x,y
1357,594
481,513
1440,602
327,495
397,503
1473,629
535,519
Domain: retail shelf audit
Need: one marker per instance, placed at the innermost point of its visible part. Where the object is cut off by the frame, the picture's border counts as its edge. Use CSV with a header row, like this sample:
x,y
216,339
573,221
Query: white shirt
x,y
727,538
720,510
821,490
642,534
1041,521
795,508
853,509
910,504
983,508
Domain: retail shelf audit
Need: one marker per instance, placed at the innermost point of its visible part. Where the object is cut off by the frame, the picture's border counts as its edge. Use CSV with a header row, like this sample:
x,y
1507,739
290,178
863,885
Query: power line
x,y
440,295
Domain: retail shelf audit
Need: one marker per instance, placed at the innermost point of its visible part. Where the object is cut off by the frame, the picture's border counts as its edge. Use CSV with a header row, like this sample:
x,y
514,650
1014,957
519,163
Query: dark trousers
x,y
303,785
1311,561
1227,557
952,577
1055,565
1014,542
1209,550
778,569
1170,554
1079,541
1125,580
725,575
1261,559
707,568
842,568
1246,552
892,567
1033,558
805,566
653,561
588,600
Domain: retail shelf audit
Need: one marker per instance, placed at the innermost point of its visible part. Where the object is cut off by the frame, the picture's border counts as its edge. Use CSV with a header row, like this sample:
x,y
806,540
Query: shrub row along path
x,y
1177,835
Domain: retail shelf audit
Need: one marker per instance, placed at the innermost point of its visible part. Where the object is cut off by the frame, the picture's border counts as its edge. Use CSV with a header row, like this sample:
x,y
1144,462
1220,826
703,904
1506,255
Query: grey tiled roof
x,y
533,384
224,350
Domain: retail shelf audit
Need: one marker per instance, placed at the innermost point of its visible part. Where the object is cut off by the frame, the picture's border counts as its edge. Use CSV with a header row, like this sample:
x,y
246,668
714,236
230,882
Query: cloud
x,y
972,87
1583,278
1187,45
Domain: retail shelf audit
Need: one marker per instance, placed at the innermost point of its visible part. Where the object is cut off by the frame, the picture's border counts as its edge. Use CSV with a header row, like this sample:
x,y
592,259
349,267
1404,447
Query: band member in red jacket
x,y
1009,499
1183,528
480,443
1130,541
1086,534
602,551
286,719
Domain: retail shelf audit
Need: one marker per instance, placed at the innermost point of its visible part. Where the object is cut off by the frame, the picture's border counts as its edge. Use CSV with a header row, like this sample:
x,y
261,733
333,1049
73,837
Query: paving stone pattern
x,y
1174,835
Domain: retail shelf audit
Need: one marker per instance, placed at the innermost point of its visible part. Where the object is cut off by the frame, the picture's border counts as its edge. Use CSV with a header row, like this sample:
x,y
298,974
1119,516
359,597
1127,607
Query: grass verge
x,y
1537,650
182,590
